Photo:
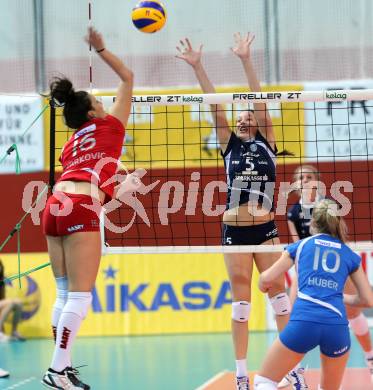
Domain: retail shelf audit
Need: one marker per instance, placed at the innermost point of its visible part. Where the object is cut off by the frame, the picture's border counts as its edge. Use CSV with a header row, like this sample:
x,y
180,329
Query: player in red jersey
x,y
72,230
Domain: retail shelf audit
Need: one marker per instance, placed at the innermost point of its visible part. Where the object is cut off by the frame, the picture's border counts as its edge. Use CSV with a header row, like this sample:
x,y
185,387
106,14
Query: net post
x,y
52,143
104,250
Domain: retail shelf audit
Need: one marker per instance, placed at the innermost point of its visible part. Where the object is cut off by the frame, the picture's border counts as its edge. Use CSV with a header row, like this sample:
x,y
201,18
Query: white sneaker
x,y
285,382
369,363
297,379
60,380
4,338
242,383
3,373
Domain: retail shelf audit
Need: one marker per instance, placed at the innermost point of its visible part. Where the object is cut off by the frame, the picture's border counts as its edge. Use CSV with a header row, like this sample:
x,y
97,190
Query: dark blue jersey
x,y
300,214
323,264
250,167
301,220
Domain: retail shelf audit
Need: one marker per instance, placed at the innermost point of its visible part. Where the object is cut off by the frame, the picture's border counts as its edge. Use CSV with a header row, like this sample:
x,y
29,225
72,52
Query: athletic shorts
x,y
79,219
249,235
303,336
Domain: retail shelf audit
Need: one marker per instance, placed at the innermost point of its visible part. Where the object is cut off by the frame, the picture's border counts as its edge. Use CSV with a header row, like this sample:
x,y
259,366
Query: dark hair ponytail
x,y
75,104
284,152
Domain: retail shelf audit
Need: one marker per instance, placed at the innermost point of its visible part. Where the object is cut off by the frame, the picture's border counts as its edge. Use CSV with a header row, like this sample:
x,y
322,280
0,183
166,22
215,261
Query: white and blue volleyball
x,y
149,16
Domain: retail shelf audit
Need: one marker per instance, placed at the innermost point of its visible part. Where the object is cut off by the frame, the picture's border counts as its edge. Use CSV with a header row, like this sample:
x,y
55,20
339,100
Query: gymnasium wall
x,y
195,229
154,294
287,45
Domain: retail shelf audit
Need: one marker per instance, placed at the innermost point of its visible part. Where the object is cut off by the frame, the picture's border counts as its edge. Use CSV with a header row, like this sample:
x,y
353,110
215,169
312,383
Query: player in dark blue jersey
x,y
249,153
307,178
323,263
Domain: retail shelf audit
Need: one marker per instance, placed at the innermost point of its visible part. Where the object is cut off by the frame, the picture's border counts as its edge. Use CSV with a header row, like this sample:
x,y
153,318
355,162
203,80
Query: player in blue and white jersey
x,y
249,153
323,263
307,179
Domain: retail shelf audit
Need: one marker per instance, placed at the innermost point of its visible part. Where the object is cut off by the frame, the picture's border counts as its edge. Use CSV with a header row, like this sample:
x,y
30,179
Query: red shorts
x,y
68,215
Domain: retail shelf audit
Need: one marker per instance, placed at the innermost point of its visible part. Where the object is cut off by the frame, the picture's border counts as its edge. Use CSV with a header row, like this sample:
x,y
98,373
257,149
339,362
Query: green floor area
x,y
154,362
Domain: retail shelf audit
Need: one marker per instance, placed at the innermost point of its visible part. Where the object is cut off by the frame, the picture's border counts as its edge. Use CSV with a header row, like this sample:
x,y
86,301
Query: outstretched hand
x,y
95,39
242,45
190,56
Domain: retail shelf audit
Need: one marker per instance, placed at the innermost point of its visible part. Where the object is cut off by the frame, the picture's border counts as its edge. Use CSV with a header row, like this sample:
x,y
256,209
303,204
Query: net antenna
x,y
179,205
90,24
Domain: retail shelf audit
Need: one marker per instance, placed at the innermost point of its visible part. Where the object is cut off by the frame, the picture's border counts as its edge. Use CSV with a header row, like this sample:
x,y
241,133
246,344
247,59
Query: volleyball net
x,y
180,196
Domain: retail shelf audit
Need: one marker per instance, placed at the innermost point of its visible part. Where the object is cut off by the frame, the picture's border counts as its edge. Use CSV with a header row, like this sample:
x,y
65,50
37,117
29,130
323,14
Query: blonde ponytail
x,y
325,220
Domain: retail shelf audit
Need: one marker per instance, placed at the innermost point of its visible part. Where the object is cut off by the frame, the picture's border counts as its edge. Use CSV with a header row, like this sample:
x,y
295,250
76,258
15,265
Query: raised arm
x,y
242,51
122,106
193,58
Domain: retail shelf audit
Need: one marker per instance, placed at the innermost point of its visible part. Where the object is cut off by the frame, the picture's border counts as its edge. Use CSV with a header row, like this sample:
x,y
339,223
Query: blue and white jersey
x,y
323,264
250,167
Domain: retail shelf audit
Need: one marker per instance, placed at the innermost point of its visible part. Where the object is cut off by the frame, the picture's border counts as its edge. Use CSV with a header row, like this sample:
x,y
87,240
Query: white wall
x,y
319,39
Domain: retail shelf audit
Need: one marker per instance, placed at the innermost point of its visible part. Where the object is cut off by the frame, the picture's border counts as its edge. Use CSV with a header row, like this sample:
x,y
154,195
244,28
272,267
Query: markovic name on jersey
x,y
86,157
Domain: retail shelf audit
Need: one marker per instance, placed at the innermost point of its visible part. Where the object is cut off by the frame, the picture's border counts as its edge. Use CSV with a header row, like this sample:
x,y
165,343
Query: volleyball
x,y
149,16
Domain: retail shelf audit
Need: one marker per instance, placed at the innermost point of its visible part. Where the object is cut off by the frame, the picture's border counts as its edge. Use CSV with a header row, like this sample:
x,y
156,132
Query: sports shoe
x,y
242,383
297,379
73,375
65,380
17,337
3,373
285,382
3,337
369,362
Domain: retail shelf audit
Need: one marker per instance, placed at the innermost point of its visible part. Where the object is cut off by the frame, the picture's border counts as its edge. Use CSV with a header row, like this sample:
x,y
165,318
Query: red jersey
x,y
97,139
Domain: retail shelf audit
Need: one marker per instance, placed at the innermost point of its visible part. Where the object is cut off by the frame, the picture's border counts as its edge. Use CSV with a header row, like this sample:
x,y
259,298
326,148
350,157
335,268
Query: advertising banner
x,y
16,114
180,136
139,295
339,131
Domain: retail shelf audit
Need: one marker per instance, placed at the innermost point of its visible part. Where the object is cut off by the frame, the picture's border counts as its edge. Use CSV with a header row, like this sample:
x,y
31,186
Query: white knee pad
x,y
62,291
359,325
262,383
281,304
78,303
241,311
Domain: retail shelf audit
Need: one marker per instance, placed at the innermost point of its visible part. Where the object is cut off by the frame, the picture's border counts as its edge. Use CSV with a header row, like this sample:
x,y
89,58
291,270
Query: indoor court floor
x,y
186,362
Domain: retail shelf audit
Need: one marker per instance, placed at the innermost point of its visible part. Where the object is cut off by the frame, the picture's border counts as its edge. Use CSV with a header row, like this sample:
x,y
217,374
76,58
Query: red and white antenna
x,y
90,47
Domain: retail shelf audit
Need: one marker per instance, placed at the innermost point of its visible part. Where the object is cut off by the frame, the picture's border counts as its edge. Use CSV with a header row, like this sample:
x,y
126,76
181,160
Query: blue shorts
x,y
302,336
249,235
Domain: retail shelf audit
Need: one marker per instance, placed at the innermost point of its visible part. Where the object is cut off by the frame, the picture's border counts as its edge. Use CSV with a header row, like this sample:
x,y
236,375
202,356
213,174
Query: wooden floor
x,y
354,379
159,362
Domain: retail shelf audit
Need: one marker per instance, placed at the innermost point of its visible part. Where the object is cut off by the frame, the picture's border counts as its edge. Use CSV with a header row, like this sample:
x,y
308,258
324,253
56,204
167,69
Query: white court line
x,y
211,380
21,383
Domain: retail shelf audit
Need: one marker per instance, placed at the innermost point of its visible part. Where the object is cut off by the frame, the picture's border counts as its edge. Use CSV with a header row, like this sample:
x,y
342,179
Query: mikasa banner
x,y
138,295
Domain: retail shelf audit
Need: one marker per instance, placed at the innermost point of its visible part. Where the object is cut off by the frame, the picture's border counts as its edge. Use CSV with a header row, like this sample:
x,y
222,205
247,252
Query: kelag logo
x,y
193,295
337,94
